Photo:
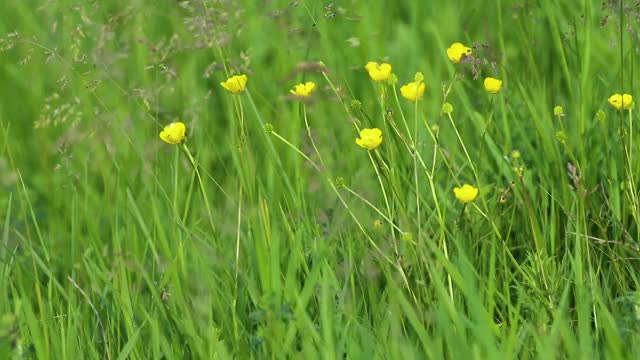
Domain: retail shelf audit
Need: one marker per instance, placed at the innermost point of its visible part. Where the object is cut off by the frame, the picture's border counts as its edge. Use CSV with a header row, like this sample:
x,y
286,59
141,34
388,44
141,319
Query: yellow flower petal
x,y
456,52
466,193
621,102
413,90
303,90
235,84
378,72
492,85
173,133
369,138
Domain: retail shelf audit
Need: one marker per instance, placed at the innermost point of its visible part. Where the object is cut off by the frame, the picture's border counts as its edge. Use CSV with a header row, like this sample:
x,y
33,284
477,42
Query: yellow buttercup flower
x,y
303,90
369,138
466,193
173,133
492,85
378,72
621,102
457,52
413,90
235,84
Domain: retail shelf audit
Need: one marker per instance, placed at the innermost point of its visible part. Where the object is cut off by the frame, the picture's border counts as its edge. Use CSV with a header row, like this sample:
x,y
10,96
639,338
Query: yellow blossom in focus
x,y
303,90
235,84
369,138
173,133
378,72
457,51
621,102
492,85
466,193
413,90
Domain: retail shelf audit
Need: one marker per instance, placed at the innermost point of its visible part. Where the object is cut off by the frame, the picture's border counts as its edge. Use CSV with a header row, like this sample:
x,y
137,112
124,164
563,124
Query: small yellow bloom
x,y
303,90
235,84
413,90
369,138
173,133
621,102
457,51
378,72
466,193
492,85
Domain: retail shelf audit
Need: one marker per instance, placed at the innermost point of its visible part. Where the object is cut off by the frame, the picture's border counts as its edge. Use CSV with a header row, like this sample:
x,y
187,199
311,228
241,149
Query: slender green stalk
x,y
201,184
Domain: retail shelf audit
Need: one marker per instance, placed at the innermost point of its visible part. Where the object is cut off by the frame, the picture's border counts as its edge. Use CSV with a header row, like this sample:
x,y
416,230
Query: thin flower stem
x,y
489,119
335,91
464,148
201,183
404,119
295,148
375,208
373,162
313,143
187,204
382,188
176,165
236,329
415,170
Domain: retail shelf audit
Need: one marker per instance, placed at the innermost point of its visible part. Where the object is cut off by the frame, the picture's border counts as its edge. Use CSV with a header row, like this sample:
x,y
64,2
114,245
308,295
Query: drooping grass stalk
x,y
234,313
313,143
374,162
415,168
203,190
375,208
352,214
489,120
187,203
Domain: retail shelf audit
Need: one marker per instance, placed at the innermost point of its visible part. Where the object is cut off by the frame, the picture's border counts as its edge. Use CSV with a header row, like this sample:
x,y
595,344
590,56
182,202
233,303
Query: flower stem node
x,y
339,181
268,128
407,236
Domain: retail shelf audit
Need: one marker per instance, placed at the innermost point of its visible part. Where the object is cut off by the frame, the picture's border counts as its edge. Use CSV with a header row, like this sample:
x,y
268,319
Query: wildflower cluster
x,y
371,138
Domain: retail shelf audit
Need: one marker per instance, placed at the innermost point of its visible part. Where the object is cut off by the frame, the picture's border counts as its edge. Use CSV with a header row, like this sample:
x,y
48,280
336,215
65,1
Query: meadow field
x,y
235,179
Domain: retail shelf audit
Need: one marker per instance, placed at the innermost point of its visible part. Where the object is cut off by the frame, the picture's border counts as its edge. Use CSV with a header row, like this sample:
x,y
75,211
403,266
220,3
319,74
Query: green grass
x,y
115,245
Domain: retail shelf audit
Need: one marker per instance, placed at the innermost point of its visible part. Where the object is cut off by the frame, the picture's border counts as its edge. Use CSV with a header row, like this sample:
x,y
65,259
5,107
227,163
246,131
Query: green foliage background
x,y
107,249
